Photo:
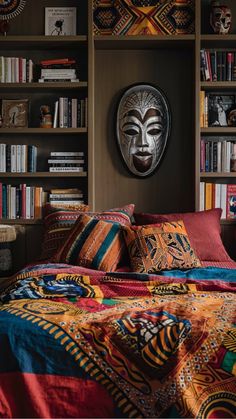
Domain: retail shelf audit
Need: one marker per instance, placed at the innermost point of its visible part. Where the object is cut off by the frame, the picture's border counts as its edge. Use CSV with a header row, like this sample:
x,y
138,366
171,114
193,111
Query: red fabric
x,y
203,228
56,397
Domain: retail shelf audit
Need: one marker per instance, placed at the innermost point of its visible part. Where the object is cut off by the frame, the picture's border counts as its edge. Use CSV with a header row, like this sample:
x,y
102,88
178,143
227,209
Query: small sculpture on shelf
x,y
45,117
220,17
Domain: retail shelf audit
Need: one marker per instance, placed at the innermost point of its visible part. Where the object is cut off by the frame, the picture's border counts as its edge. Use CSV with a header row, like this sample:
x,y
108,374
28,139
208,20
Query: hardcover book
x,y
60,21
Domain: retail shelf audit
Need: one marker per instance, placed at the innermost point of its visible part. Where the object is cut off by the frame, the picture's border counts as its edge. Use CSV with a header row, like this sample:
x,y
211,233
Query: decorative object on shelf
x,y
220,17
45,117
143,17
142,128
8,10
15,113
60,21
7,236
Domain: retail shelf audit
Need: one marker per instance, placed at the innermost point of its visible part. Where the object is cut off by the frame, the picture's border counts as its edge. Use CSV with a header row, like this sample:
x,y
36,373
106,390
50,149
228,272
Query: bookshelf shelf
x,y
42,42
219,130
43,174
217,175
140,42
43,131
21,221
213,85
44,86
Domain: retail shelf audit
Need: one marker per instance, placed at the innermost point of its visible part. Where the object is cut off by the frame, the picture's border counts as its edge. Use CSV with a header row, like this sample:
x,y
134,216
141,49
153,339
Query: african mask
x,y
220,18
142,128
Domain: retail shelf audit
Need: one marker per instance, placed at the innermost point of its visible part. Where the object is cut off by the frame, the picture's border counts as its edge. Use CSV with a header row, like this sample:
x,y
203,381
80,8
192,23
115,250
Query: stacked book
x,y
16,70
65,197
66,161
217,155
19,158
70,113
21,201
61,69
216,195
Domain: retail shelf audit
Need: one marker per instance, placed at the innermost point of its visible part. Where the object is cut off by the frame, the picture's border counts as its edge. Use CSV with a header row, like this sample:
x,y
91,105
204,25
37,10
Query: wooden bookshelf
x,y
43,131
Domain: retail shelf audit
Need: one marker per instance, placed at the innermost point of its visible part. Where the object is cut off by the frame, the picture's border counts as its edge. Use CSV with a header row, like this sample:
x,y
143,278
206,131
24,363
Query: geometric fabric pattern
x,y
143,17
153,248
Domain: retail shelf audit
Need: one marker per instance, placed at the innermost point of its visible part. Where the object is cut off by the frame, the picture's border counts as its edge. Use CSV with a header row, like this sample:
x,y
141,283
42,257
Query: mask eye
x,y
131,132
154,131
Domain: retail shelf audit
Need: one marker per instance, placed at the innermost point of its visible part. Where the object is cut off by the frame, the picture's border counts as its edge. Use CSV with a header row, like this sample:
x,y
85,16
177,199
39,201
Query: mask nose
x,y
142,139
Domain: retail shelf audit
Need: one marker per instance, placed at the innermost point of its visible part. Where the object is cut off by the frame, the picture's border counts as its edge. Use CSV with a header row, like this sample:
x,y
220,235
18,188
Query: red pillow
x,y
203,228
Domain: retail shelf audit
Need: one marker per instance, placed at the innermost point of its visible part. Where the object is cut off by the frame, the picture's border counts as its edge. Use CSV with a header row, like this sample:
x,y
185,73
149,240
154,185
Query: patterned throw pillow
x,y
93,243
155,248
58,223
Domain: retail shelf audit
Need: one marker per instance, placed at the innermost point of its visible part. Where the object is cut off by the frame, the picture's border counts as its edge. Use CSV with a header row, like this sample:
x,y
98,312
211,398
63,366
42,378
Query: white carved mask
x,y
221,18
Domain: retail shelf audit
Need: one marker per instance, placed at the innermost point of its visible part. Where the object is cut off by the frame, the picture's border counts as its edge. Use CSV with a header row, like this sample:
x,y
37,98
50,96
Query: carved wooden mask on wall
x,y
142,128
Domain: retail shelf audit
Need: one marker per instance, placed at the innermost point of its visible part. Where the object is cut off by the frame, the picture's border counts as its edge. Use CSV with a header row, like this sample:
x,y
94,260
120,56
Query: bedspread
x,y
81,343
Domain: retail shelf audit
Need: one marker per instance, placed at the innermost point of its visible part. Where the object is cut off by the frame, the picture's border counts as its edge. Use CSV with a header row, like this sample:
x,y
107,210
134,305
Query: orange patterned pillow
x,y
155,248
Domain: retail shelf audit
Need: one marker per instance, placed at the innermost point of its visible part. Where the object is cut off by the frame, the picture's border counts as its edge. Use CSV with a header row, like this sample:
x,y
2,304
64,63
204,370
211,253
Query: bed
x,y
82,342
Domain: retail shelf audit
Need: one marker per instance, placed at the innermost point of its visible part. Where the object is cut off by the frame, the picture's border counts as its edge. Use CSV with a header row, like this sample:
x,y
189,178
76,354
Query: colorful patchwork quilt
x,y
81,343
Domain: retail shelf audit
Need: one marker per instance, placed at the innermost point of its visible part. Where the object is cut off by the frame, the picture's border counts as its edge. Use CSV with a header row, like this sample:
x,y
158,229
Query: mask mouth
x,y
143,154
142,161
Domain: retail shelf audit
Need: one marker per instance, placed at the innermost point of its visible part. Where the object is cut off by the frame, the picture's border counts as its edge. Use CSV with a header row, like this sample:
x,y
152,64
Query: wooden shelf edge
x,y
19,221
41,86
218,84
218,130
43,131
139,42
42,39
225,221
43,174
217,175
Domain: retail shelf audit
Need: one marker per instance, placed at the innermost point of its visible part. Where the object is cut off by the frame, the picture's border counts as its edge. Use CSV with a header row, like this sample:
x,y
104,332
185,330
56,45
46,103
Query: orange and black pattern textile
x,y
153,248
76,343
143,17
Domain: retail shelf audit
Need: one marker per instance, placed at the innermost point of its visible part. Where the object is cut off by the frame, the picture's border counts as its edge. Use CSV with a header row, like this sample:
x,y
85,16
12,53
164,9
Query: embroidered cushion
x,y
155,248
203,228
58,223
143,17
93,243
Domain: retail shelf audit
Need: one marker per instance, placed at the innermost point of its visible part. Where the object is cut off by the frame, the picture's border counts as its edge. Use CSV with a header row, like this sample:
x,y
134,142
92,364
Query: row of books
x,y
21,201
66,197
66,161
217,110
70,113
16,70
217,156
19,158
218,65
216,195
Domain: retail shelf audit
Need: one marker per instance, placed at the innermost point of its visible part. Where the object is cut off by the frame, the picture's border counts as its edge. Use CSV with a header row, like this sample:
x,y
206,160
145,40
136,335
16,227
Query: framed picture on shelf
x,y
60,21
15,113
219,108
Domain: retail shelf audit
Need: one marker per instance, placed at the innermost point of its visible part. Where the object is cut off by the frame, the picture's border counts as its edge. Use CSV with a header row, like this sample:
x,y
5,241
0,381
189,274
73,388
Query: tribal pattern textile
x,y
143,17
153,248
138,345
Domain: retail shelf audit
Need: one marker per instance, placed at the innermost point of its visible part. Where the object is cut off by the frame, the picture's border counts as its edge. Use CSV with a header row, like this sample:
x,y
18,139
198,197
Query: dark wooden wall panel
x,y
171,188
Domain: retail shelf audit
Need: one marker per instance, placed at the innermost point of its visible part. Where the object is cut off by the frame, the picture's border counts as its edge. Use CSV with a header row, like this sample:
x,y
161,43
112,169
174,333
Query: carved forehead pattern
x,y
141,101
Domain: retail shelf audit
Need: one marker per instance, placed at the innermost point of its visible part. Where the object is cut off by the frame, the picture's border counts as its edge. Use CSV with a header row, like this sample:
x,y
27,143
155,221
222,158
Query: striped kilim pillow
x,y
93,243
58,223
